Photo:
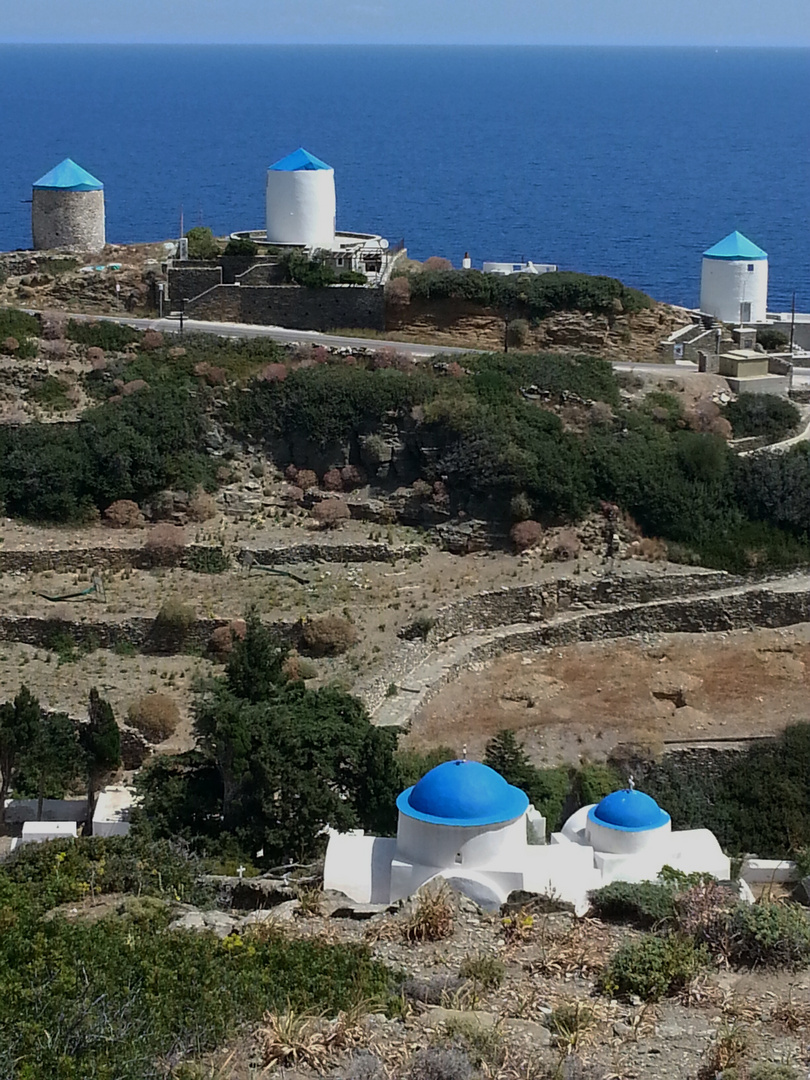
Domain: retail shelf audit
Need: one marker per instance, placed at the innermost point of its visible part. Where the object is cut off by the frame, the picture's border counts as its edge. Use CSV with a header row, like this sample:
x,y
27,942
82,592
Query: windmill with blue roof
x,y
67,210
301,202
734,281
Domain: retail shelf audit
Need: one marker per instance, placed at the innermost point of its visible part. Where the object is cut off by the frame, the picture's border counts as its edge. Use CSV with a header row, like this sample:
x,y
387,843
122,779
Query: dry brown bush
x,y
96,358
220,643
525,534
290,474
352,477
331,513
152,339
176,351
53,324
437,262
273,373
54,349
123,514
306,479
332,480
9,345
156,716
211,375
294,493
567,545
329,635
455,370
164,543
398,292
298,668
201,506
649,549
134,386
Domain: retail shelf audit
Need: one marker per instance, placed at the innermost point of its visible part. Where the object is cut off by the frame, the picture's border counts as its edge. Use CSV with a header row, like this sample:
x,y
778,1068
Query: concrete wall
x,y
68,219
293,307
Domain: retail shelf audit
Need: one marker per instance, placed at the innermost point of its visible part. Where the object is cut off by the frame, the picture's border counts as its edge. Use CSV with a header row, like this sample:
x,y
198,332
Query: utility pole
x,y
792,321
182,313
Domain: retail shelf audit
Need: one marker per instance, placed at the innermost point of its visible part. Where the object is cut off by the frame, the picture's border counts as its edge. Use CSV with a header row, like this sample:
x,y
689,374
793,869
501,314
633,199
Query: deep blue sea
x,y
627,162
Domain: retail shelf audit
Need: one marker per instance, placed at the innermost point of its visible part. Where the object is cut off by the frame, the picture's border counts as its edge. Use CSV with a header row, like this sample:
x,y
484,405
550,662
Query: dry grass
x,y
578,951
292,1039
432,918
728,1050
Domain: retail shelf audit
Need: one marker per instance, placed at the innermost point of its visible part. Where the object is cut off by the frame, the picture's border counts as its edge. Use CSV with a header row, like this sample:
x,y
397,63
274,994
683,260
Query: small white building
x,y
734,281
35,832
111,814
519,268
464,824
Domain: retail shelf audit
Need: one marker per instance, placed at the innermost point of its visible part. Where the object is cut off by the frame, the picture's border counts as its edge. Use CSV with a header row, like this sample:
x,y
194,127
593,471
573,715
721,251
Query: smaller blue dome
x,y
464,793
630,811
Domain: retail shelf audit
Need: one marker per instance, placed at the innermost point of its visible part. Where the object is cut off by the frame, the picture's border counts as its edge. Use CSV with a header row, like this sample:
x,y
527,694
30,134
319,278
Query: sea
x,y
627,162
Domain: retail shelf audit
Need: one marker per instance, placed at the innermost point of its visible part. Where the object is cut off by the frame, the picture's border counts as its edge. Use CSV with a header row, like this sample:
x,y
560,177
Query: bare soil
x,y
580,701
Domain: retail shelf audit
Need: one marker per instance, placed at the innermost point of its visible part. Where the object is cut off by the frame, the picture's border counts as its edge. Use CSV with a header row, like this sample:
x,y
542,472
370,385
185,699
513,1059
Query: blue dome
x,y
463,793
630,811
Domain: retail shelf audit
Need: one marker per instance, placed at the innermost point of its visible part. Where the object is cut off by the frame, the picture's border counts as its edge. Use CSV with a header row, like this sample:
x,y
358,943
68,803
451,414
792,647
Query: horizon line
x,y
716,45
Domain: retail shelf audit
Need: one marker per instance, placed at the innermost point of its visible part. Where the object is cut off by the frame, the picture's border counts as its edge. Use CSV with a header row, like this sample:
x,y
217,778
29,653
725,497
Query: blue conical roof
x,y
299,159
735,246
466,793
68,176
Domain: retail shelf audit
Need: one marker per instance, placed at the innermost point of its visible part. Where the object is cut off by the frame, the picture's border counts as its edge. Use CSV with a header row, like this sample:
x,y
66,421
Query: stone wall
x,y
122,558
68,219
530,603
263,273
143,634
292,306
188,280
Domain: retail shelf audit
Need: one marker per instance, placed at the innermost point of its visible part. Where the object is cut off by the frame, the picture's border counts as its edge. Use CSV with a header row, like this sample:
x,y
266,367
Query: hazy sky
x,y
606,22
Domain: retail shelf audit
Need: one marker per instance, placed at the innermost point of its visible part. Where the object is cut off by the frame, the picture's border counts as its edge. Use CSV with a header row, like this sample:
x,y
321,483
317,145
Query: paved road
x,y
801,376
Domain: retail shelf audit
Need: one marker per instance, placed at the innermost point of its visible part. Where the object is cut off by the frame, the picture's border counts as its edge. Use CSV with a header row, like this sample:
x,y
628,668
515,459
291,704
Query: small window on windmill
x,y
458,856
677,352
750,268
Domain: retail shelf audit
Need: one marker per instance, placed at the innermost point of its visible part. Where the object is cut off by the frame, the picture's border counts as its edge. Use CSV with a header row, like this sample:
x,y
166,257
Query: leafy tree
x,y
768,415
18,722
275,763
254,669
202,243
54,760
100,741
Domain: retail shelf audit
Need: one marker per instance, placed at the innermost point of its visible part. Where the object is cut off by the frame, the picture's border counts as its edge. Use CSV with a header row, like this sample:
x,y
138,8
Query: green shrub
x,y
768,415
241,245
653,967
772,340
50,393
534,296
771,935
175,617
168,997
110,336
17,324
487,971
208,560
645,904
202,244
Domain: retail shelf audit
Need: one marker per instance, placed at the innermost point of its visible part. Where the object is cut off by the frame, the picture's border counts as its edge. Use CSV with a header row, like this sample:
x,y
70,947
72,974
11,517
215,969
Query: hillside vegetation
x,y
507,436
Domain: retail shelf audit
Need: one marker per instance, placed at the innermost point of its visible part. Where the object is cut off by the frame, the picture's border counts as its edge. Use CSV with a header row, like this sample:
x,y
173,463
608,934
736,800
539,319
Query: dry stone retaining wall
x,y
123,558
746,607
144,634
